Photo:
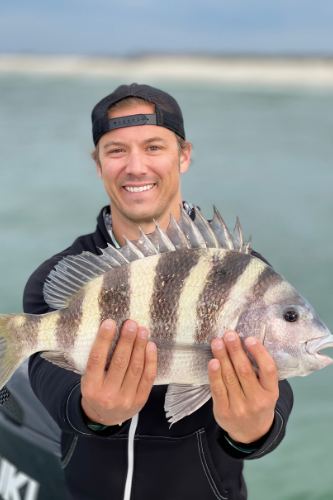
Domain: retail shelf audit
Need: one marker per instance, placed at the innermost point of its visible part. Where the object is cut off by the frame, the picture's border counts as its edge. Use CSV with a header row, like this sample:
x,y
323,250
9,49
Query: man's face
x,y
140,167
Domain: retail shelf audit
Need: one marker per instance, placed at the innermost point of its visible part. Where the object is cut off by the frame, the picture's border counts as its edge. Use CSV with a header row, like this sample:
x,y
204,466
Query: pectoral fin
x,y
181,400
60,359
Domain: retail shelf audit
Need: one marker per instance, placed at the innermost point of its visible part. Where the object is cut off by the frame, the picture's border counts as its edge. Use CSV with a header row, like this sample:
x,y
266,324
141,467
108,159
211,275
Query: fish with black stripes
x,y
187,285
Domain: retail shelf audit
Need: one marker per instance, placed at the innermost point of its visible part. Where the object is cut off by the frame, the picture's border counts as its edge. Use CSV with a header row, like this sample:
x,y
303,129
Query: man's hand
x,y
113,396
243,404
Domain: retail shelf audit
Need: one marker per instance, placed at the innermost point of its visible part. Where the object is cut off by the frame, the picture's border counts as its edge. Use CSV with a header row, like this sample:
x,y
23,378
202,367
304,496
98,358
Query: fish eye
x,y
291,315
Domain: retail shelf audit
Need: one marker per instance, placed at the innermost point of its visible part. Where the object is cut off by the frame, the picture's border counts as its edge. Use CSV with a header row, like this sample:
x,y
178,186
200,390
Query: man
x,y
116,441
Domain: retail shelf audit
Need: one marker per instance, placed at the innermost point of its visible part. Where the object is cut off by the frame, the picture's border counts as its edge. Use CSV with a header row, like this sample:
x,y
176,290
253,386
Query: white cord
x,y
130,457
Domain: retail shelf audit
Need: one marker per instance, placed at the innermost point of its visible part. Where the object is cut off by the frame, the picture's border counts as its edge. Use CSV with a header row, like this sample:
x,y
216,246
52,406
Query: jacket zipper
x,y
130,457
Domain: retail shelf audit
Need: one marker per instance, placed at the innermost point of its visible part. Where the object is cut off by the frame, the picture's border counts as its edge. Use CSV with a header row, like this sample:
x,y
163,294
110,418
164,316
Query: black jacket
x,y
190,461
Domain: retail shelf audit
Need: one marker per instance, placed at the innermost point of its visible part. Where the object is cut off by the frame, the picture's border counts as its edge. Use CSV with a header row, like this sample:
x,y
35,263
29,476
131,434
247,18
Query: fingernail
x,y
151,346
108,324
230,336
218,344
143,334
251,341
215,365
131,326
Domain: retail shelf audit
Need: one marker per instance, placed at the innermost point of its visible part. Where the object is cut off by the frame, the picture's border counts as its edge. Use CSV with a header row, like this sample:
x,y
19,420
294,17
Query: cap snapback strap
x,y
132,121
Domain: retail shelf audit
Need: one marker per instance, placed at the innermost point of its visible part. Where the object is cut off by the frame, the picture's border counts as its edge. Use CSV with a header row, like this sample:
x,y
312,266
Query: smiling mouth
x,y
139,189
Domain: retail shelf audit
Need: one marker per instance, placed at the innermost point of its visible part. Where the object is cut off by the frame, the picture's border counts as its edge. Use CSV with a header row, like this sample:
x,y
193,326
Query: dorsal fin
x,y
161,240
176,235
115,254
73,272
220,229
205,230
190,230
237,236
131,251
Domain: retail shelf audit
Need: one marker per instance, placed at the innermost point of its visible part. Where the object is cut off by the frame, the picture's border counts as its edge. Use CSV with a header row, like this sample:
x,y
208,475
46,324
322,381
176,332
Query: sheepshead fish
x,y
187,285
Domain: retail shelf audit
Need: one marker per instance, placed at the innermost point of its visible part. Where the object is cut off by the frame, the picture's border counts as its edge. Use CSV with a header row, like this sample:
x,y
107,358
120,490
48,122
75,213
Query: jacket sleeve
x,y
59,390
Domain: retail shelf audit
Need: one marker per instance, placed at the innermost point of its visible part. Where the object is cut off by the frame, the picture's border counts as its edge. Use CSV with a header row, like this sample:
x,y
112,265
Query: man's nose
x,y
136,164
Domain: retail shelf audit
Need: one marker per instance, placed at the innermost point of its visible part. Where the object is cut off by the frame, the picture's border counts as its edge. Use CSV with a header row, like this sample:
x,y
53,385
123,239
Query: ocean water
x,y
264,154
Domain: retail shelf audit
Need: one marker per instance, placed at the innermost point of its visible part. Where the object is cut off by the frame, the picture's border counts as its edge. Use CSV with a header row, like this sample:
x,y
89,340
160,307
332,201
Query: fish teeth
x,y
138,189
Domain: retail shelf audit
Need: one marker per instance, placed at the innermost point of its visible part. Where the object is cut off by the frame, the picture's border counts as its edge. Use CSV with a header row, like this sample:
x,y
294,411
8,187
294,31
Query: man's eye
x,y
116,151
154,148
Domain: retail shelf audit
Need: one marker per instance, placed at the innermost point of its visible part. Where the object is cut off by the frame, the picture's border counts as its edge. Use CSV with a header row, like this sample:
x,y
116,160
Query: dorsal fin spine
x,y
238,236
175,231
112,250
133,248
205,229
190,230
168,243
222,232
148,242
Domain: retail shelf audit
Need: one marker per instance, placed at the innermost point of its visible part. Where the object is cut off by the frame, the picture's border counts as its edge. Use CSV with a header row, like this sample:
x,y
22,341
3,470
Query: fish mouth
x,y
315,345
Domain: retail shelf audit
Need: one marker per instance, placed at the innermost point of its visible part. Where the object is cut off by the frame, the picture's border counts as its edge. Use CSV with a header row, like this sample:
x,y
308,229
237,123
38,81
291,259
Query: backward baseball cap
x,y
167,111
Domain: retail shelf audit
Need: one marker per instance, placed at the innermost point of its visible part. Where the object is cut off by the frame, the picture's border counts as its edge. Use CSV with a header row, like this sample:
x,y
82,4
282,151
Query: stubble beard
x,y
137,216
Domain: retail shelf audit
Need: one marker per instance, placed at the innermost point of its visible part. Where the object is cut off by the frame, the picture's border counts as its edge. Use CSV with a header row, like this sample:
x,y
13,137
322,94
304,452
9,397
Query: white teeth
x,y
138,189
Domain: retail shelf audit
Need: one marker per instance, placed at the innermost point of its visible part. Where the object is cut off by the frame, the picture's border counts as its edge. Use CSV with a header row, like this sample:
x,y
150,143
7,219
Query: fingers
x,y
217,386
121,356
228,372
241,363
149,373
95,371
136,364
243,405
268,375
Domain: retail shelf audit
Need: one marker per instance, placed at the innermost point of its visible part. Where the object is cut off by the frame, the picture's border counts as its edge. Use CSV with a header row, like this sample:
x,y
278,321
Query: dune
x,y
282,71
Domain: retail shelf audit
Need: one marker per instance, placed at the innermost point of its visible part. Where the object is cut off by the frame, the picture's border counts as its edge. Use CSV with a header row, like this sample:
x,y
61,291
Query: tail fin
x,y
10,358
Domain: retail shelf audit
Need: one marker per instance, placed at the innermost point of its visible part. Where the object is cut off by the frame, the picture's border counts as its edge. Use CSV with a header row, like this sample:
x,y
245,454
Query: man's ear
x,y
185,158
99,169
95,157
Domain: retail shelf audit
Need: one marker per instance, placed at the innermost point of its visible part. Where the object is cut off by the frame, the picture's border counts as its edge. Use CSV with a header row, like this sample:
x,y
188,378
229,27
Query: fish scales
x,y
251,319
47,331
89,323
268,279
188,366
68,324
194,284
142,281
114,300
239,296
224,274
30,324
171,272
185,297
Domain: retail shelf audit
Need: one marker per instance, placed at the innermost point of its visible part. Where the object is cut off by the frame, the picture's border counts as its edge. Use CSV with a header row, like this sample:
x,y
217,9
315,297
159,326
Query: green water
x,y
262,154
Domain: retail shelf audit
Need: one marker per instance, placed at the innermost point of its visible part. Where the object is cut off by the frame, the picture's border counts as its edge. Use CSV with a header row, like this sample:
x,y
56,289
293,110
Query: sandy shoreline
x,y
304,72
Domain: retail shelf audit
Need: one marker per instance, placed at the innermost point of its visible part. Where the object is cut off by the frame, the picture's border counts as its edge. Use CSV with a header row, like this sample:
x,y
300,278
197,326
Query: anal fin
x,y
61,359
181,400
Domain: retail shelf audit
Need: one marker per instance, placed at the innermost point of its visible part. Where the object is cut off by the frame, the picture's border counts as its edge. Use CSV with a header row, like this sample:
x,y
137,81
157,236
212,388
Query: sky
x,y
135,27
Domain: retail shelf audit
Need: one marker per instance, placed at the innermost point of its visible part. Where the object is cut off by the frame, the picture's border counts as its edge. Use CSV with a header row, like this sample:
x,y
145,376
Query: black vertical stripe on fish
x,y
67,327
267,279
114,299
252,320
220,281
171,272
